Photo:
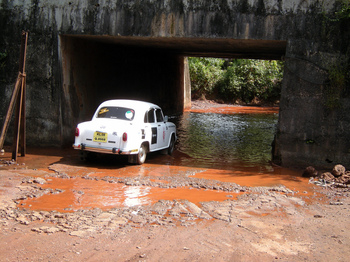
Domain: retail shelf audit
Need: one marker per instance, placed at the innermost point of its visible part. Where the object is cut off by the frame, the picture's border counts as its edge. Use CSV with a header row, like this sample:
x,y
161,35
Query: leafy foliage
x,y
205,74
236,80
344,12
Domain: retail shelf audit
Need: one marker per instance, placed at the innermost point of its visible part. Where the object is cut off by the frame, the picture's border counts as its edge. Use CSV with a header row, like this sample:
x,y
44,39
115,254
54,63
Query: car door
x,y
163,136
152,128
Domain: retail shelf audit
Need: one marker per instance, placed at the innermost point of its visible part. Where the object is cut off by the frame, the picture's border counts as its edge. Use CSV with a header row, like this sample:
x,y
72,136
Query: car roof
x,y
134,104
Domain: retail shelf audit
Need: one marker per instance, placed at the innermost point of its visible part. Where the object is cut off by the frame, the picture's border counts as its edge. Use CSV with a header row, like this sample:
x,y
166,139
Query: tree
x,y
236,80
205,74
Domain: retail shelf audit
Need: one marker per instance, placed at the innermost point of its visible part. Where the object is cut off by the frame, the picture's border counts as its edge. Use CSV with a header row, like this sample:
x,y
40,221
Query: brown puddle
x,y
79,193
292,180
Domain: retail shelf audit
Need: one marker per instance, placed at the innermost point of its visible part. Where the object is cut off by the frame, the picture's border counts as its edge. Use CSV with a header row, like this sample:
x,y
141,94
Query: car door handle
x,y
158,125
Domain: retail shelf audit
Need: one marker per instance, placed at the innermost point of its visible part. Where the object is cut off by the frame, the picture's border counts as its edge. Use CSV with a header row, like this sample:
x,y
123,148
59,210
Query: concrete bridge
x,y
81,52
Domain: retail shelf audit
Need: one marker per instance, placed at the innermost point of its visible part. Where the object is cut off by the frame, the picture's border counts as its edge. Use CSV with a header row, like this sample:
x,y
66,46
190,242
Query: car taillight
x,y
125,137
77,132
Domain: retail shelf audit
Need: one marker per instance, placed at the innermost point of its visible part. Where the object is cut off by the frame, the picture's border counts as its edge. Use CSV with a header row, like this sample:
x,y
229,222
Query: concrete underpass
x,y
97,68
83,52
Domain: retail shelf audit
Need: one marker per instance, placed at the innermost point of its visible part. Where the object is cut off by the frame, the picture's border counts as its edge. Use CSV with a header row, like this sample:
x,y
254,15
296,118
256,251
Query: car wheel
x,y
141,156
171,145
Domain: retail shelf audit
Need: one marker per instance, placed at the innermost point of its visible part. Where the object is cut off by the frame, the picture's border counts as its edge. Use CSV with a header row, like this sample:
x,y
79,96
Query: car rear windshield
x,y
116,113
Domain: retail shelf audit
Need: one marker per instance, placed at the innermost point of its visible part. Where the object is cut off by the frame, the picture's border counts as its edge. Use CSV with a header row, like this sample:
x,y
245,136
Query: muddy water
x,y
232,141
222,144
78,194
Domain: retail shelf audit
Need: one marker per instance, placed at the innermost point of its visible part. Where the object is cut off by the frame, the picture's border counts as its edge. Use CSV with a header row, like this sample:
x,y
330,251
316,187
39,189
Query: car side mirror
x,y
166,118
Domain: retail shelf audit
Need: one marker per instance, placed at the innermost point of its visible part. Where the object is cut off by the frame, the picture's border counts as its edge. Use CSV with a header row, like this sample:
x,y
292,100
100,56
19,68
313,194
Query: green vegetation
x,y
344,11
236,81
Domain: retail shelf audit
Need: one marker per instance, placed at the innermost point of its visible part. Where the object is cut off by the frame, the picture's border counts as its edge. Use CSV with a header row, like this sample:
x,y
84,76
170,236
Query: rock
x,y
178,210
119,221
195,210
46,229
78,233
50,230
39,180
327,176
310,171
162,207
23,220
344,179
338,170
336,203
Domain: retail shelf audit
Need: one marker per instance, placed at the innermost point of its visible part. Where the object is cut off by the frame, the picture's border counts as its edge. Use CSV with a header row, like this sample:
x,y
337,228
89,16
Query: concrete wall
x,y
75,46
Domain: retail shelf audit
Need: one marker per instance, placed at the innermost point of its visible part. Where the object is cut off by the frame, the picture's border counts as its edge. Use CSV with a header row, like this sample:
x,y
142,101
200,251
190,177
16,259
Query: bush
x,y
205,74
236,80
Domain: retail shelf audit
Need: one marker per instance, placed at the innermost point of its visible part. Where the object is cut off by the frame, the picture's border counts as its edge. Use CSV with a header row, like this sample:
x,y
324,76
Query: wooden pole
x,y
23,118
17,123
20,115
22,70
10,110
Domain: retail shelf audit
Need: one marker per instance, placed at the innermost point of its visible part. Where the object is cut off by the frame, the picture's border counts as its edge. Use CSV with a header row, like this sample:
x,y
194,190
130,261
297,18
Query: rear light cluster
x,y
77,132
125,137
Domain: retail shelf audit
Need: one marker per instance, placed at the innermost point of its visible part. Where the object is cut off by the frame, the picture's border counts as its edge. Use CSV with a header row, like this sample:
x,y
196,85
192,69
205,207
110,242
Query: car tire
x,y
141,155
171,145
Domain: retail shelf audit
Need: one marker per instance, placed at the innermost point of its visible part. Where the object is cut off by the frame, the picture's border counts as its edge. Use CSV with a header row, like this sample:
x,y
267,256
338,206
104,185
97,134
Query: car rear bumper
x,y
114,150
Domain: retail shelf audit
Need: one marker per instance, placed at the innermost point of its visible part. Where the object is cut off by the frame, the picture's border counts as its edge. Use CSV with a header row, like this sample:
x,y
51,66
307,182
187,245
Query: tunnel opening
x,y
236,81
98,68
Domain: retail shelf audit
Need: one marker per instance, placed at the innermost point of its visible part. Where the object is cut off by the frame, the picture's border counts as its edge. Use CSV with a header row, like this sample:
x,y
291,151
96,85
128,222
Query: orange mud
x,y
86,194
79,193
293,180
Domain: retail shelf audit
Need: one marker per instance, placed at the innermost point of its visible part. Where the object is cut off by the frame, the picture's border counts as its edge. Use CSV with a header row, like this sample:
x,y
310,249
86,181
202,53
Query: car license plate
x,y
100,137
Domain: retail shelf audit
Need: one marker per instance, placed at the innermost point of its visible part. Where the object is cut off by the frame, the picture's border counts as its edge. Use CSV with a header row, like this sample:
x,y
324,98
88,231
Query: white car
x,y
126,127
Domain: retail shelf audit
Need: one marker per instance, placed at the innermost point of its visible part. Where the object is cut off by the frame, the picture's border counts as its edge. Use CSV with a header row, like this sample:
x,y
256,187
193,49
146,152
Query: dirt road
x,y
53,207
261,223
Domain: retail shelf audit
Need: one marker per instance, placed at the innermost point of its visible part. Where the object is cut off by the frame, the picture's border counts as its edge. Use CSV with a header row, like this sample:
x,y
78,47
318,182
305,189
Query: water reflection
x,y
219,140
136,195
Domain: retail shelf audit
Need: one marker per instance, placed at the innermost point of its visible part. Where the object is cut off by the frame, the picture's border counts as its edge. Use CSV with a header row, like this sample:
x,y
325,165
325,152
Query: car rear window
x,y
116,113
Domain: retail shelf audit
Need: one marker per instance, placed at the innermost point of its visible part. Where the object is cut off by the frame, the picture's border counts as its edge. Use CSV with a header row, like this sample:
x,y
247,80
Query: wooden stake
x,y
10,110
20,115
17,124
20,86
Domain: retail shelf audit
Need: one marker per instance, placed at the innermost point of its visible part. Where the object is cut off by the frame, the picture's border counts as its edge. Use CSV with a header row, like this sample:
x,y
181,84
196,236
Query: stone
x,y
119,221
50,230
78,233
327,176
23,220
39,180
338,170
195,210
310,171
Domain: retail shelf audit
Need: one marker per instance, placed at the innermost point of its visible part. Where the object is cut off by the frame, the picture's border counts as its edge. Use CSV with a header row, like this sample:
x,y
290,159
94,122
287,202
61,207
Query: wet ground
x,y
218,185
